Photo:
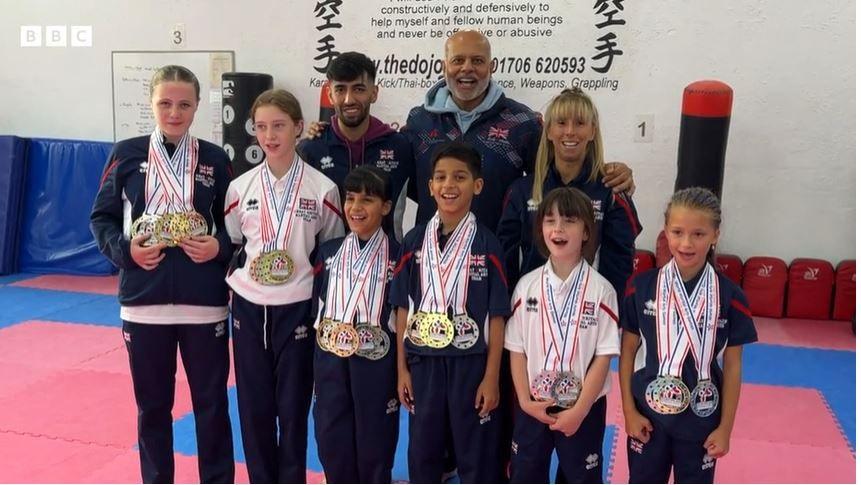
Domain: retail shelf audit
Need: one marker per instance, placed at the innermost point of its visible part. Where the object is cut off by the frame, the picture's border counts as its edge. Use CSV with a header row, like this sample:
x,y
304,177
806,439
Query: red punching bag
x,y
326,109
706,109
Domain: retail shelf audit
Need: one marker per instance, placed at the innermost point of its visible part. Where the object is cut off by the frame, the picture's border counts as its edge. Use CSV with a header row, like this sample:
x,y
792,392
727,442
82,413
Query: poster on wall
x,y
539,47
131,74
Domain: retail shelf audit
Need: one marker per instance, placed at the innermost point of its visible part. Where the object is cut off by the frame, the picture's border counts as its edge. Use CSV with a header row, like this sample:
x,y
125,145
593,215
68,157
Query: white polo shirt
x,y
599,330
317,219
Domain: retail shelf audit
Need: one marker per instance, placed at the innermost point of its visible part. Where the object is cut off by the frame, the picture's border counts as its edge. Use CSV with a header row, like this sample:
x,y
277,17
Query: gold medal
x,y
179,228
164,229
272,268
414,332
172,228
146,224
324,330
197,225
436,329
343,340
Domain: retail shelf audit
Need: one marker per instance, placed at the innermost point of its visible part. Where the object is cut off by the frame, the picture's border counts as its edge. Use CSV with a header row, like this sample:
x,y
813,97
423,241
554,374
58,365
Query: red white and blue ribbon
x,y
277,214
170,179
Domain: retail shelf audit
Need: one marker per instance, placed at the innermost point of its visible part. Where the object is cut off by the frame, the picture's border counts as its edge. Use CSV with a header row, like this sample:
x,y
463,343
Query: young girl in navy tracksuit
x,y
680,368
278,212
159,217
356,410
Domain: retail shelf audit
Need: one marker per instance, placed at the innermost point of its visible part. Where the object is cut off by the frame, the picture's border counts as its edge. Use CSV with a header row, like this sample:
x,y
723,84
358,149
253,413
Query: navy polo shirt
x,y
735,327
487,291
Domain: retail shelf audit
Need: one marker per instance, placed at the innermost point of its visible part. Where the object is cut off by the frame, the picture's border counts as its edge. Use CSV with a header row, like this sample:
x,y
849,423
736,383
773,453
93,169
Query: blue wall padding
x,y
13,169
62,180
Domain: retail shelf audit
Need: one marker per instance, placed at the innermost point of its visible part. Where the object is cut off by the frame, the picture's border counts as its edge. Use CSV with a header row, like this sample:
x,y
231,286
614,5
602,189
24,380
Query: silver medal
x,y
566,389
466,332
704,399
374,342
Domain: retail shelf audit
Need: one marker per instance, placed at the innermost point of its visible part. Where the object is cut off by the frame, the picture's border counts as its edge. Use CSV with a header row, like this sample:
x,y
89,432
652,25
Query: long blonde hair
x,y
570,103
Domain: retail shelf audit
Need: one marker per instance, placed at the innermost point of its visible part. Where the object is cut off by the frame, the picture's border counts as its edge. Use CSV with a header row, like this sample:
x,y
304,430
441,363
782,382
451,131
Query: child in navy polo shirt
x,y
451,294
680,367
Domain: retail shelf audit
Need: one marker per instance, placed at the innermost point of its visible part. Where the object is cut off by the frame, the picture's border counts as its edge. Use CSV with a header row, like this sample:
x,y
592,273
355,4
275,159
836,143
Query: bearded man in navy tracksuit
x,y
354,137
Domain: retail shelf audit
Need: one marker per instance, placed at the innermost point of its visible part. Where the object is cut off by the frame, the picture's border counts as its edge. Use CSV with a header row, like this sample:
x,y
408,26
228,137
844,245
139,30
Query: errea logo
x,y
532,304
708,462
591,461
651,309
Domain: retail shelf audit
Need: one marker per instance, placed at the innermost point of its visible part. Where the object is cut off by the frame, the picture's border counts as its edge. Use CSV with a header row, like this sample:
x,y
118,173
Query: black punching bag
x,y
706,109
238,92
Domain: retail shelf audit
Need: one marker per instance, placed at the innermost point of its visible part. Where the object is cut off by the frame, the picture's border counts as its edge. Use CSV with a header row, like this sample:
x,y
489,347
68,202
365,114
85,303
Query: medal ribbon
x,y
441,274
354,269
170,179
374,298
704,300
672,346
270,210
560,323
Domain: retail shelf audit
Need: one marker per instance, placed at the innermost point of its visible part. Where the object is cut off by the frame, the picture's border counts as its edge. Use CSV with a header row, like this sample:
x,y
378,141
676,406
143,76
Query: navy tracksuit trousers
x,y
580,455
273,352
445,389
356,416
651,462
152,359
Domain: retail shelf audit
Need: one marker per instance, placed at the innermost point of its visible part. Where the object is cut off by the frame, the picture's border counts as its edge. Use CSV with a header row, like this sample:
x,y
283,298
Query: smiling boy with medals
x,y
451,296
680,369
562,335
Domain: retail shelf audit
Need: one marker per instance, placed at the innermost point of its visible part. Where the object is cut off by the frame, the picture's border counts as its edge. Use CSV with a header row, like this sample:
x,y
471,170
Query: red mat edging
x,y
102,285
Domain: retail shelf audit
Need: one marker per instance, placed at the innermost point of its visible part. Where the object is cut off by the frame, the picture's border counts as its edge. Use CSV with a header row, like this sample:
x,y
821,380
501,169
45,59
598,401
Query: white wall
x,y
789,187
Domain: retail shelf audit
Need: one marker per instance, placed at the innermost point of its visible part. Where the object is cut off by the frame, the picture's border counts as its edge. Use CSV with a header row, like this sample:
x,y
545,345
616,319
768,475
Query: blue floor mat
x,y
19,304
830,371
14,278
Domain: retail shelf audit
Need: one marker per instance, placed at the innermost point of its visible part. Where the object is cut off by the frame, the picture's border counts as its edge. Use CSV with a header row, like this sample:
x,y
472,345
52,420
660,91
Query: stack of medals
x,y
444,279
561,386
169,228
356,290
685,324
274,266
169,215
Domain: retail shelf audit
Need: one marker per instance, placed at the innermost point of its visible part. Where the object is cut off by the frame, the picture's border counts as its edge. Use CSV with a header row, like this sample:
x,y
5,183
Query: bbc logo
x,y
57,36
